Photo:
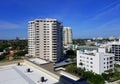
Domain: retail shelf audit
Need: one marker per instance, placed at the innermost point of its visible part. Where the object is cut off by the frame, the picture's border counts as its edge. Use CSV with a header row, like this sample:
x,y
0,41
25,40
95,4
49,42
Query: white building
x,y
45,39
67,35
100,38
95,61
111,38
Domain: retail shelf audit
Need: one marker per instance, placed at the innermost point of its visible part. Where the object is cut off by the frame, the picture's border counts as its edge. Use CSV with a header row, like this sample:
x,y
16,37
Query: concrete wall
x,y
67,80
10,62
62,72
61,78
56,76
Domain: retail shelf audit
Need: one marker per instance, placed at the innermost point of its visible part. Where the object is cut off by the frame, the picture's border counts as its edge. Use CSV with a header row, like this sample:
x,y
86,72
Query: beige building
x,y
67,35
45,39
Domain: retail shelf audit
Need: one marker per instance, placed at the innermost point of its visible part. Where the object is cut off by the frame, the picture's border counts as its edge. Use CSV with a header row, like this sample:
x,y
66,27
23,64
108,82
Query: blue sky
x,y
87,18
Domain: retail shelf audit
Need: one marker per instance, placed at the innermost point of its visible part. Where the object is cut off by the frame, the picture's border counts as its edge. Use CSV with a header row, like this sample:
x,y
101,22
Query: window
x,y
111,58
91,66
91,58
37,26
111,65
111,61
91,62
37,41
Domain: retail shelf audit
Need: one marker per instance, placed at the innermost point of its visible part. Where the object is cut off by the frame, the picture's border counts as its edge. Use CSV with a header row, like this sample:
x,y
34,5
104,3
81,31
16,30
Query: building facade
x,y
114,47
45,39
95,61
67,35
116,51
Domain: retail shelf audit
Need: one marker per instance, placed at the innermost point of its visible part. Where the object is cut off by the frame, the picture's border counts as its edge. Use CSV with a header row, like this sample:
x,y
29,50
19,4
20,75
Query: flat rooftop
x,y
13,74
38,61
65,62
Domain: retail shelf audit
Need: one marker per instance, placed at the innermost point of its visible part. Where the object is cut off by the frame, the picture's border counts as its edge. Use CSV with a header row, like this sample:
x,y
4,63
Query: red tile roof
x,y
10,55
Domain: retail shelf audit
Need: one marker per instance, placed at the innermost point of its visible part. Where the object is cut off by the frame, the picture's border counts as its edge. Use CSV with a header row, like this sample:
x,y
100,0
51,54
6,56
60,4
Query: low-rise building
x,y
97,61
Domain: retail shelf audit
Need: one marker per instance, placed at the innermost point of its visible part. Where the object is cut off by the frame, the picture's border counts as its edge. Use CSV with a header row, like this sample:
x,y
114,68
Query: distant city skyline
x,y
87,18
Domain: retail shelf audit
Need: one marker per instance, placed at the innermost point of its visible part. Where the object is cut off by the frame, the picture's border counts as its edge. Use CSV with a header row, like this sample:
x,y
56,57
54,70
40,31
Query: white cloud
x,y
8,25
109,6
110,25
105,12
110,9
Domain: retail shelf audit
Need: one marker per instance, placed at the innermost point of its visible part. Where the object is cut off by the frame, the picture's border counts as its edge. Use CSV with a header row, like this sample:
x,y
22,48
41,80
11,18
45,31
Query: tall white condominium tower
x,y
67,35
45,39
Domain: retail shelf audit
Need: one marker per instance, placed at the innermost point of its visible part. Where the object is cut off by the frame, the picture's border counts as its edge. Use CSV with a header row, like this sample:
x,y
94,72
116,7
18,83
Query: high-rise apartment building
x,y
45,39
67,35
115,49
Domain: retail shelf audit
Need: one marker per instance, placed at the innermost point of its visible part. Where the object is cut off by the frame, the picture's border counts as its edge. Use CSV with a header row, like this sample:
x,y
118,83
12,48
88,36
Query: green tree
x,y
91,77
105,76
20,54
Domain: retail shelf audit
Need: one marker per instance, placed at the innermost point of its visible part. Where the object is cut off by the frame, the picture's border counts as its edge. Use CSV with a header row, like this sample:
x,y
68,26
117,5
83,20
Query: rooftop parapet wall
x,y
55,75
10,62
